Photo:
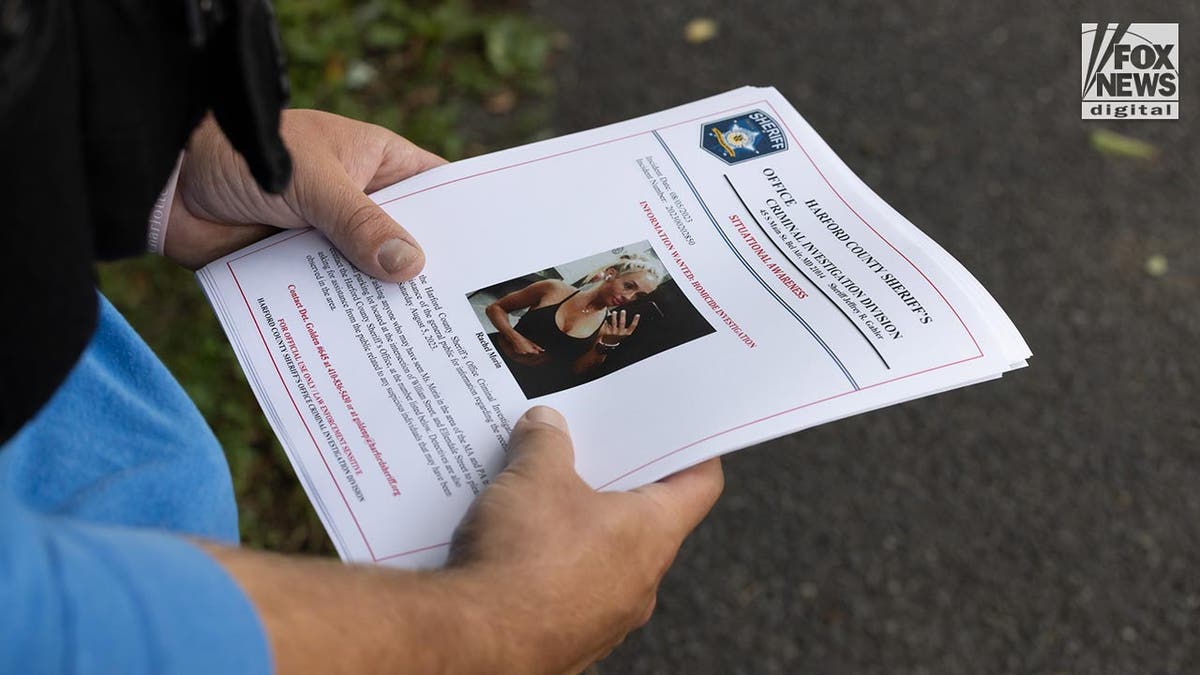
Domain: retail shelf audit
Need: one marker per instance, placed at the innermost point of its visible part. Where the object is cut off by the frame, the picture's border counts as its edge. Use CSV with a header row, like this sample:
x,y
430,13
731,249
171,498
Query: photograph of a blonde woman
x,y
574,322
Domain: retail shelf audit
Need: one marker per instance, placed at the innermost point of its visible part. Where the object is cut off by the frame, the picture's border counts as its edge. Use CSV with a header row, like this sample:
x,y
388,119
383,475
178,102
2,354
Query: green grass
x,y
452,77
419,68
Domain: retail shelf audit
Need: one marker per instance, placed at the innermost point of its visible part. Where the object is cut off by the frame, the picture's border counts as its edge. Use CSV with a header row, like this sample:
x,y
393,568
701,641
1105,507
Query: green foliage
x,y
412,66
415,67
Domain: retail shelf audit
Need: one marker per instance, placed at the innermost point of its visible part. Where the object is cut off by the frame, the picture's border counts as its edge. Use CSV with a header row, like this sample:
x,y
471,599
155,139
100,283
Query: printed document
x,y
679,286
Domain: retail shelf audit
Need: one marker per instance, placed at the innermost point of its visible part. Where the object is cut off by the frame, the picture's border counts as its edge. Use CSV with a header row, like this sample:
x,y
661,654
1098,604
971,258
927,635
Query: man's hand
x,y
218,207
568,570
546,575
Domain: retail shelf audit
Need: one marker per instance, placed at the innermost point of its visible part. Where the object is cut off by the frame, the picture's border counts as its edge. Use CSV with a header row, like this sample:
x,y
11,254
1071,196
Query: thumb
x,y
540,440
686,497
361,230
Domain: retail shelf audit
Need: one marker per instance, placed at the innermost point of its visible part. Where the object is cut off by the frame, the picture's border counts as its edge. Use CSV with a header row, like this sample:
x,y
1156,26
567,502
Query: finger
x,y
361,230
621,321
540,437
401,159
686,497
636,318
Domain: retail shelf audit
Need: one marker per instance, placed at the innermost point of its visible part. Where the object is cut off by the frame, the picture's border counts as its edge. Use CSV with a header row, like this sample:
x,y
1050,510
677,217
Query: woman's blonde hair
x,y
627,263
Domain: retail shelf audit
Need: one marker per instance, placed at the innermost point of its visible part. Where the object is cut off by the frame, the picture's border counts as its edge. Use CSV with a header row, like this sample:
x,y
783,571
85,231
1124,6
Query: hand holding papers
x,y
772,291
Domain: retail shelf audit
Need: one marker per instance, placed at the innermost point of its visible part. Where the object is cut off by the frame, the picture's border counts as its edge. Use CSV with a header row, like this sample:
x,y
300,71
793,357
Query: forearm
x,y
499,319
590,359
324,617
546,575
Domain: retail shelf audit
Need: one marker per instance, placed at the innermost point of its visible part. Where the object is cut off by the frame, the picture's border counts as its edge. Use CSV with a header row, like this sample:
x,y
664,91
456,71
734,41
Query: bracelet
x,y
160,214
604,348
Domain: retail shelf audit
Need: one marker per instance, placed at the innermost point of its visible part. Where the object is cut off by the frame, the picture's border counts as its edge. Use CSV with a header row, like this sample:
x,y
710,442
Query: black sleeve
x,y
97,98
45,242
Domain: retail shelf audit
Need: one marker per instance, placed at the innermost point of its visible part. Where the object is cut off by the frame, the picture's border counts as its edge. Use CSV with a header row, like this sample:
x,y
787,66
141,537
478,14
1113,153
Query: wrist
x,y
603,346
498,631
160,213
504,327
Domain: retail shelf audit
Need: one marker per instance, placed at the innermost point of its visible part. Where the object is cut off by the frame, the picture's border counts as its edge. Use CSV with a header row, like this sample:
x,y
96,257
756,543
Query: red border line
x,y
784,412
271,355
303,230
870,227
796,140
551,156
979,351
415,550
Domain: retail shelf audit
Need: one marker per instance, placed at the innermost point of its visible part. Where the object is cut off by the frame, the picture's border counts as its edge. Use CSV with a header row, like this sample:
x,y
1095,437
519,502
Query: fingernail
x,y
396,254
546,415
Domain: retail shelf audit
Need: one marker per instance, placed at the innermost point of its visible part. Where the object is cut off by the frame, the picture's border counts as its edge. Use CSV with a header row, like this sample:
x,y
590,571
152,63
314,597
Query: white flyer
x,y
679,286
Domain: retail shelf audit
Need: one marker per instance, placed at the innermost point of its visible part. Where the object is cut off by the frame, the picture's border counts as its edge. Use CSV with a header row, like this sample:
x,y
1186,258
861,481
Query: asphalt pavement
x,y
1045,523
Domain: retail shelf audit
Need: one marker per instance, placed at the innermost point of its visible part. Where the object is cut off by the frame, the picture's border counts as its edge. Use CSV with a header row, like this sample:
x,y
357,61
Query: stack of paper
x,y
765,289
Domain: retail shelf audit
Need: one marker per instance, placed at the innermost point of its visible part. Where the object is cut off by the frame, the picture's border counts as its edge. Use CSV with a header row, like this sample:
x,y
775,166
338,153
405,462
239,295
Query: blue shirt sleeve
x,y
96,496
85,598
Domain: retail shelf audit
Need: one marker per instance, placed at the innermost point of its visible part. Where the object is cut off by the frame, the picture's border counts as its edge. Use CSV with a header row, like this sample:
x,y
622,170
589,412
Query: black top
x,y
97,97
539,325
